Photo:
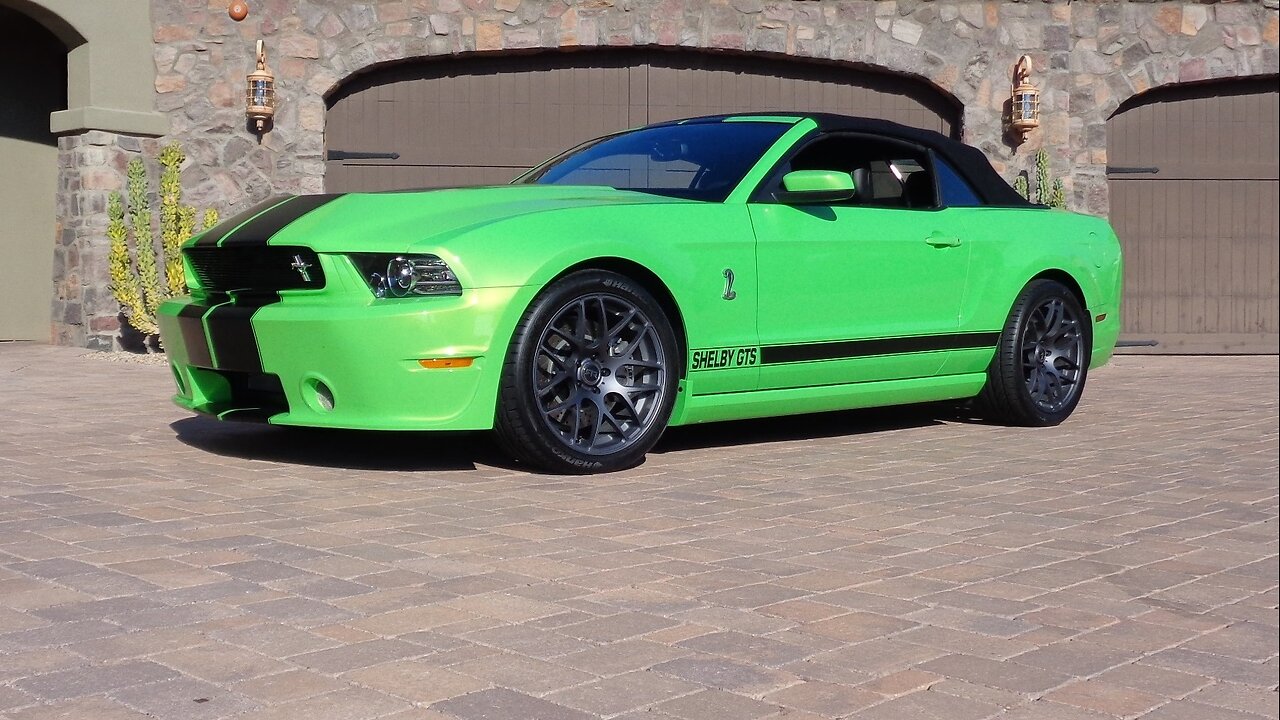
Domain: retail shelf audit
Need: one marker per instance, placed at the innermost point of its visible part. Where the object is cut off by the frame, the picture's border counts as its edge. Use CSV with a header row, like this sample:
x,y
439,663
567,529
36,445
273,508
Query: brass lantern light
x,y
260,97
1024,114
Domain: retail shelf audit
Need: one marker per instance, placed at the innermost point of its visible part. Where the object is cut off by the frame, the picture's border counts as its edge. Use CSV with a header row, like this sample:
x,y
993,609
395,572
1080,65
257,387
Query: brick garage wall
x,y
1088,58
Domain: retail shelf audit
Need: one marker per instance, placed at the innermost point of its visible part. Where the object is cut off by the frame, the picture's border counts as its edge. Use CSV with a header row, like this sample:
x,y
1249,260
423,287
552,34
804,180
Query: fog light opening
x,y
317,395
324,396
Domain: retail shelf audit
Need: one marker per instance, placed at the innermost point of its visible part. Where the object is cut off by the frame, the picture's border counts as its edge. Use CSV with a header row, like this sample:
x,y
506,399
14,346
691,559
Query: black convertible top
x,y
969,161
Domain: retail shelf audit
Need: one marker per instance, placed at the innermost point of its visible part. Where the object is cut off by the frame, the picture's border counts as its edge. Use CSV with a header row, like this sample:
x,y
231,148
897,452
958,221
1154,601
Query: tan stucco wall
x,y
110,64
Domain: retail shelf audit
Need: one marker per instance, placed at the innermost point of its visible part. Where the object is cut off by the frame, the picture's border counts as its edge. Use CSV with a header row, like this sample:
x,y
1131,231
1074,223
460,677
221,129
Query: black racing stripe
x,y
224,228
844,349
235,347
230,326
260,229
192,330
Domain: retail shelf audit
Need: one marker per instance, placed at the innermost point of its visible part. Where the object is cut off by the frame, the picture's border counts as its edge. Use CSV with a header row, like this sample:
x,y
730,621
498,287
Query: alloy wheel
x,y
1053,354
599,374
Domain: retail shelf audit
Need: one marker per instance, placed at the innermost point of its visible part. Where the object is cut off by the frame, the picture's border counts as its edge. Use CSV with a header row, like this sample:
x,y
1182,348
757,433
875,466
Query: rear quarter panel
x,y
1012,246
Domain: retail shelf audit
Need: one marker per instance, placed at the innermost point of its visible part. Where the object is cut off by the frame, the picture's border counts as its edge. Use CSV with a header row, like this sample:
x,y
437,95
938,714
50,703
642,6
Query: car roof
x,y
969,161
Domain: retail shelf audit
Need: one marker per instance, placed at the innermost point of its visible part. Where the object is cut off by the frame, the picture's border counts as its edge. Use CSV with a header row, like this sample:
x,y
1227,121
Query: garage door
x,y
485,120
1193,176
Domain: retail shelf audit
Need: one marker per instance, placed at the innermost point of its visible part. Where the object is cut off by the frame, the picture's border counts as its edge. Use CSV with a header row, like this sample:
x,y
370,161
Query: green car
x,y
718,268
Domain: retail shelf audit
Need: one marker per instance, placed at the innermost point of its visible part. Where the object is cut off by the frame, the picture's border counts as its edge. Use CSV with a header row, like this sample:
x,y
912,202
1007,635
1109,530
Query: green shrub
x,y
136,279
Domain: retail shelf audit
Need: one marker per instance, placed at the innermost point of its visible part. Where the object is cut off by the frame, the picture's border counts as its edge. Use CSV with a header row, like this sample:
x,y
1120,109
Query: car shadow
x,y
807,427
344,449
442,451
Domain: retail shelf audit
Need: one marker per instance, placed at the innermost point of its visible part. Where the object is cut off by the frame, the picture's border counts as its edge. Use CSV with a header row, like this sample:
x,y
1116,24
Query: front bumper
x,y
275,362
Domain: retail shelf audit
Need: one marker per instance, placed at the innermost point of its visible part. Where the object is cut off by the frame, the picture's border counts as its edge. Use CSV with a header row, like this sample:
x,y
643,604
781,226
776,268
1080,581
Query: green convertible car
x,y
717,268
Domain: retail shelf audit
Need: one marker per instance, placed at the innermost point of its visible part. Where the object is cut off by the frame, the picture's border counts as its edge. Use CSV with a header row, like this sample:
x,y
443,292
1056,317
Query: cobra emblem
x,y
729,293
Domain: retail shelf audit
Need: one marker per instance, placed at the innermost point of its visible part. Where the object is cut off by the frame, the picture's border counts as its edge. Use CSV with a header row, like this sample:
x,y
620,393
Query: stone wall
x,y
92,167
1088,56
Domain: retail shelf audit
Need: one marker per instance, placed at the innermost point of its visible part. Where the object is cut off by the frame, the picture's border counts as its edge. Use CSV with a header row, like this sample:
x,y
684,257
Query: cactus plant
x,y
124,279
136,280
1020,186
1049,190
172,214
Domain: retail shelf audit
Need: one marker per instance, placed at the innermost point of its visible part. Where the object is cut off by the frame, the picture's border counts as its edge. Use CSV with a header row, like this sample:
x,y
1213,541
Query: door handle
x,y
937,239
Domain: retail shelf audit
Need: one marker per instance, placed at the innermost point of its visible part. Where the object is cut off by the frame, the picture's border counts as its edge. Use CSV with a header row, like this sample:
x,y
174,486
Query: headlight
x,y
400,276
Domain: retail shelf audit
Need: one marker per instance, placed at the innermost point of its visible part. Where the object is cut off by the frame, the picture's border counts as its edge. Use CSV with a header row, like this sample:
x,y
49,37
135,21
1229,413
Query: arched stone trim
x,y
925,84
1088,57
1154,94
110,71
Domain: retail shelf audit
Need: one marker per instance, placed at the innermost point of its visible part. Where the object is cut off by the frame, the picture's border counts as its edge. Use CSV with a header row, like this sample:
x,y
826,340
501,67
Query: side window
x,y
953,188
885,173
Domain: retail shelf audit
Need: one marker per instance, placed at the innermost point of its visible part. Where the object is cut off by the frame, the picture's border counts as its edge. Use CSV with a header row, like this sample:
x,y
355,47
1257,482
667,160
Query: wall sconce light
x,y
1024,113
260,97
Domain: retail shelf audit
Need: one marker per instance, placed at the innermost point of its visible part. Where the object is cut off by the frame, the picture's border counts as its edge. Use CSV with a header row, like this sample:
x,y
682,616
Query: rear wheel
x,y
1042,361
590,378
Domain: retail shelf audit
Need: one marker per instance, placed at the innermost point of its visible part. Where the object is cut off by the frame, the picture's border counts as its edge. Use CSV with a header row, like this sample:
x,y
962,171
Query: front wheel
x,y
1038,374
590,377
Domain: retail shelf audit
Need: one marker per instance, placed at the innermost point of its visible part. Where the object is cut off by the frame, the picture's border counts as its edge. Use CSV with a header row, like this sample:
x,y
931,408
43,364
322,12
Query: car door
x,y
861,290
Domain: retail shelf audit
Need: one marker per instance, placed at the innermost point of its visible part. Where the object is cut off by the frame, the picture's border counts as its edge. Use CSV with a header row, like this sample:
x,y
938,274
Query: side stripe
x,y
845,349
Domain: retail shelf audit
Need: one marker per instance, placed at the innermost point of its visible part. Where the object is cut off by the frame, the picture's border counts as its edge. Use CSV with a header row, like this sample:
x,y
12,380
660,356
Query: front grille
x,y
256,269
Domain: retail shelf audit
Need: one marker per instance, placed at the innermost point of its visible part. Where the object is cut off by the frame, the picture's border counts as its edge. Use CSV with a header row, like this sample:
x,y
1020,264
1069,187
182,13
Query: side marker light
x,y
446,363
1100,318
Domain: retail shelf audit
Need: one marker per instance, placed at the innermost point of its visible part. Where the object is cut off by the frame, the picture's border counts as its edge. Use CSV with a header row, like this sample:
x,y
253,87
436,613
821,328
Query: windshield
x,y
696,161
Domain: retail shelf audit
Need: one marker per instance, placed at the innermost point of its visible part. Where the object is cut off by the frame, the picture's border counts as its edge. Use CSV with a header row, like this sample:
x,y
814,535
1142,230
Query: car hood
x,y
394,221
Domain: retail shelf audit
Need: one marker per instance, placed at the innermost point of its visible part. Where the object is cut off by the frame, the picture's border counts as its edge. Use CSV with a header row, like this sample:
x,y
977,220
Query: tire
x,y
590,376
1038,374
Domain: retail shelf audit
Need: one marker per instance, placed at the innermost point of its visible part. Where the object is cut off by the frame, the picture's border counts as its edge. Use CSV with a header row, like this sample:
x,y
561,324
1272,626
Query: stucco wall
x,y
109,63
1088,57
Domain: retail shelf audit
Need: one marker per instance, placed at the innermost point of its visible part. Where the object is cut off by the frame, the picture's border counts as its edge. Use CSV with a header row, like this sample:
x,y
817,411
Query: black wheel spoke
x,y
568,336
556,381
576,428
623,431
619,326
596,423
626,400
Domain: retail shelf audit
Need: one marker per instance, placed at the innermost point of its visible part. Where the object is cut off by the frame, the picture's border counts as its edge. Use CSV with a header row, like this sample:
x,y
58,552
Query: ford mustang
x,y
716,268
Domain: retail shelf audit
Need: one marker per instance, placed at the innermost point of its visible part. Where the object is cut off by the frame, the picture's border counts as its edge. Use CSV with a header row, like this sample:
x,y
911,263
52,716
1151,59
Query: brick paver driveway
x,y
874,565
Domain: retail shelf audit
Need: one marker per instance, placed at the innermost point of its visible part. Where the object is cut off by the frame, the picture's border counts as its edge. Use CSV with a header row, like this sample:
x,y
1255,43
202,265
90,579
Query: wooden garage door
x,y
1193,173
486,119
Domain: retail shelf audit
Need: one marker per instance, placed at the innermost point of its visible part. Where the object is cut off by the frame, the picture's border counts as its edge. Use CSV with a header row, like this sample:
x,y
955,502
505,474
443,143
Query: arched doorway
x,y
484,119
33,84
1193,175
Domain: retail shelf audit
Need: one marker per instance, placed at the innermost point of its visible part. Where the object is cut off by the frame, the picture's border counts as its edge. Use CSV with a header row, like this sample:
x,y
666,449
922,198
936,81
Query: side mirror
x,y
801,187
